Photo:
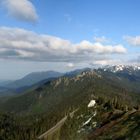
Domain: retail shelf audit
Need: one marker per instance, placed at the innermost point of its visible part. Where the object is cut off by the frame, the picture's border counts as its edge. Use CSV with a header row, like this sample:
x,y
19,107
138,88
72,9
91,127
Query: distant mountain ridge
x,y
46,94
33,78
37,78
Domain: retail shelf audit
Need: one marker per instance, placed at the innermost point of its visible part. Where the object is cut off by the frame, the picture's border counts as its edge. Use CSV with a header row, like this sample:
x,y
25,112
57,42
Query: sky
x,y
62,35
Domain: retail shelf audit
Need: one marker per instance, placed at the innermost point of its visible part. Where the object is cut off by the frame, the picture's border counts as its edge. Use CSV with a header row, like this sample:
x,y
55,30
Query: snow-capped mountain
x,y
119,68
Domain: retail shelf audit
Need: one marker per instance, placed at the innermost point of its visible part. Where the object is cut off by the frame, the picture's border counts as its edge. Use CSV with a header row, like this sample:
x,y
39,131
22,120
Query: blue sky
x,y
40,35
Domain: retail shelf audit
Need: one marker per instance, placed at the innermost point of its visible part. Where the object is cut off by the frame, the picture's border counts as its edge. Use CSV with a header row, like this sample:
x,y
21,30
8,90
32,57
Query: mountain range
x,y
33,78
115,91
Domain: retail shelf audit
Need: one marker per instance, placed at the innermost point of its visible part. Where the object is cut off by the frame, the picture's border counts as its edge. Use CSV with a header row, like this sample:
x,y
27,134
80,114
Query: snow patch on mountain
x,y
87,122
119,68
91,103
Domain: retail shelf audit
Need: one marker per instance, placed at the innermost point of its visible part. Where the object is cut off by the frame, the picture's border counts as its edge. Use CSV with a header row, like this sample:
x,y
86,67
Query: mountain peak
x,y
119,68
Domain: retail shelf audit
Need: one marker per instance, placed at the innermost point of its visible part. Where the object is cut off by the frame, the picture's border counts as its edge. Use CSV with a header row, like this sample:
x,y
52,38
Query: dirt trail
x,y
56,127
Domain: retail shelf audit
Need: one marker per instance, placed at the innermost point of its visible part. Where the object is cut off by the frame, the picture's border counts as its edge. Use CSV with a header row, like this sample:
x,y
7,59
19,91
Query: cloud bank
x,y
16,43
21,9
134,41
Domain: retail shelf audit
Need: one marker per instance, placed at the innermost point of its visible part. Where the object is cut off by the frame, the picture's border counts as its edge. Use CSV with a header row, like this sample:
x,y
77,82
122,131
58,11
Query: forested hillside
x,y
30,114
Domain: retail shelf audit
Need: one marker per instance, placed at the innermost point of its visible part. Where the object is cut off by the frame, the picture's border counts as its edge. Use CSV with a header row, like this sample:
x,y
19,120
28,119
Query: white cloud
x,y
134,41
135,60
70,65
99,48
101,39
105,62
21,9
16,43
